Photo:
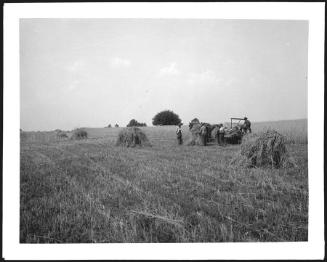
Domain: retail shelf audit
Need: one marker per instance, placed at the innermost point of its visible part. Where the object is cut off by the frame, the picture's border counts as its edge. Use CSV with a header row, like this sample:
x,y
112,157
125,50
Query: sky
x,y
95,72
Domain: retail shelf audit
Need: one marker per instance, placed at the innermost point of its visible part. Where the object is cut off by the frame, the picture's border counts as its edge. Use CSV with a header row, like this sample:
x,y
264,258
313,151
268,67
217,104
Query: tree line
x,y
163,118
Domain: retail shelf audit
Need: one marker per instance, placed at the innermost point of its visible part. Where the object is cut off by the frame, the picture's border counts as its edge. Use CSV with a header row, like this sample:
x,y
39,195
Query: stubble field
x,y
91,191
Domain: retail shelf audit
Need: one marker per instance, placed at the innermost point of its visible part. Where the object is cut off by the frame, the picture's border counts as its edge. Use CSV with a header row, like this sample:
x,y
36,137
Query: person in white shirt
x,y
179,134
221,135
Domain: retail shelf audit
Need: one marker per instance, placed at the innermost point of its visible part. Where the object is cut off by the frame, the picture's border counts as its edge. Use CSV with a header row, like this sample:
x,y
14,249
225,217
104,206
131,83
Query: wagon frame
x,y
234,136
235,118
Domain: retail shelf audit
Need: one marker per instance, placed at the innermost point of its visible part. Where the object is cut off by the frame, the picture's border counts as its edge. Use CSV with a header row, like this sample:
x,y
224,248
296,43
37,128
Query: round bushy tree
x,y
133,122
166,117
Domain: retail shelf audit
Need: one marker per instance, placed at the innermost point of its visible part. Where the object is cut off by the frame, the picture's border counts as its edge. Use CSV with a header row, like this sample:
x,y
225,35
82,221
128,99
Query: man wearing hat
x,y
247,125
179,134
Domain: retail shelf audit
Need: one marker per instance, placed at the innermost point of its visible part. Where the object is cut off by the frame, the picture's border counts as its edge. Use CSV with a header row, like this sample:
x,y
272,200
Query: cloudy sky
x,y
92,72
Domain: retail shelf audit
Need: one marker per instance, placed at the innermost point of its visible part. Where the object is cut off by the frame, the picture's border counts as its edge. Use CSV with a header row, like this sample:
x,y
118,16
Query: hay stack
x,y
196,137
131,137
265,150
79,133
61,135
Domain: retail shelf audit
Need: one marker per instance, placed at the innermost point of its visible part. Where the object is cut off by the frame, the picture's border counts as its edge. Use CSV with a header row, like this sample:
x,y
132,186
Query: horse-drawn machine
x,y
237,130
232,135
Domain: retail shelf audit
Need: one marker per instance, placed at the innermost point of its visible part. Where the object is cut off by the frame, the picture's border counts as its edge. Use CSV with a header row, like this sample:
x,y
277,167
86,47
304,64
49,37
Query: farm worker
x,y
179,134
217,133
247,125
208,133
203,133
221,135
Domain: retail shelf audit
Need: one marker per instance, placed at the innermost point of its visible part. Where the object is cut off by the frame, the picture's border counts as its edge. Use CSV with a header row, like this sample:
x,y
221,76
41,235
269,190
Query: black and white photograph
x,y
143,130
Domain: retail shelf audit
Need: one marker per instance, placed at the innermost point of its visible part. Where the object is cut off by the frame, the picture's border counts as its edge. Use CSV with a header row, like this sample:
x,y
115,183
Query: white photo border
x,y
312,12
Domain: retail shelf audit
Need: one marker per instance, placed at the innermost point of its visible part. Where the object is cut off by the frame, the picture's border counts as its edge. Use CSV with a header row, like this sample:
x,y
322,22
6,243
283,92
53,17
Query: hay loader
x,y
234,134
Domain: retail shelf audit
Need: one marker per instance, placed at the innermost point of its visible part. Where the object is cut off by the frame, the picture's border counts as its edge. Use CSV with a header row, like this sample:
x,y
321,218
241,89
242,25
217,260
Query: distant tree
x,y
166,117
133,122
116,125
109,125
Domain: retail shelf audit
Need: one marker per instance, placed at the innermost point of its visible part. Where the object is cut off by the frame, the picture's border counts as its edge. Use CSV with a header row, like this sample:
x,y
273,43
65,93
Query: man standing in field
x,y
216,133
221,135
179,134
247,125
203,133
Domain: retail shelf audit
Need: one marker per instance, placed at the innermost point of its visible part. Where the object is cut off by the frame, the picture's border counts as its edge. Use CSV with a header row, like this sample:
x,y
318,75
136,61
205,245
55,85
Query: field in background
x,y
296,131
92,191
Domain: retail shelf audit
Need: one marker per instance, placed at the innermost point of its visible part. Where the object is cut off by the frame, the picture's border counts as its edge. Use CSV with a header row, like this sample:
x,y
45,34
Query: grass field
x,y
92,191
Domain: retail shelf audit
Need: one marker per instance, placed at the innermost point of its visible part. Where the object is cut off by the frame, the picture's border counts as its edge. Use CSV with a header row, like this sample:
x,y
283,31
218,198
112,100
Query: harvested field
x,y
91,191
